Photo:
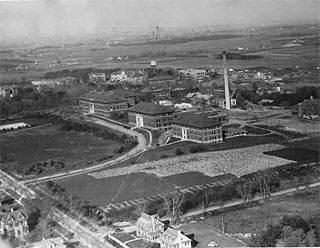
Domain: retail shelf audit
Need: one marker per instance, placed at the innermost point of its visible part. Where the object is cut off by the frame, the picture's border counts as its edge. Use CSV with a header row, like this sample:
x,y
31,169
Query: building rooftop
x,y
107,96
150,108
194,120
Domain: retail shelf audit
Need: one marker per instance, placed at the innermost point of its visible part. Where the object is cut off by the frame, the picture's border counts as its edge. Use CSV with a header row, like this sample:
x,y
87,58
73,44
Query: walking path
x,y
239,202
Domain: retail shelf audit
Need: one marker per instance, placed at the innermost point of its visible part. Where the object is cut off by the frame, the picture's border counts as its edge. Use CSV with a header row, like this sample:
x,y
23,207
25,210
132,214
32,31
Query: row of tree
x,y
292,231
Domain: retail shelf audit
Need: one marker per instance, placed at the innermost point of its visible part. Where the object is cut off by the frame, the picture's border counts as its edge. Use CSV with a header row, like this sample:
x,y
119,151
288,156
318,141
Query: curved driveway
x,y
138,149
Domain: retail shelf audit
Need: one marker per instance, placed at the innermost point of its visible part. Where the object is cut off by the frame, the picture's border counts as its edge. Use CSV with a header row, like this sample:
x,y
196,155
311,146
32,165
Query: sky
x,y
53,18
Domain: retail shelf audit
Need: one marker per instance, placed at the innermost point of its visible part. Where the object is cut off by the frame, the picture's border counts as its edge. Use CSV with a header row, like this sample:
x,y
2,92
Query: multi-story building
x,y
134,77
196,128
150,228
157,93
106,102
9,91
192,74
97,77
172,238
13,222
151,115
162,81
52,83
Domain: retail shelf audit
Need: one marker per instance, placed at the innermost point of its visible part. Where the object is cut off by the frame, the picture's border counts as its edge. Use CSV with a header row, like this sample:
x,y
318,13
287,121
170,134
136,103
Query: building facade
x,y
162,81
106,102
97,77
172,238
13,222
134,77
196,128
150,228
151,115
192,74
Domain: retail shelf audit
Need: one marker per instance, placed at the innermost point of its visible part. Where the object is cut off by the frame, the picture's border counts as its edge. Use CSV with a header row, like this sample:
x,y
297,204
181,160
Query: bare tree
x,y
140,207
173,203
244,188
264,179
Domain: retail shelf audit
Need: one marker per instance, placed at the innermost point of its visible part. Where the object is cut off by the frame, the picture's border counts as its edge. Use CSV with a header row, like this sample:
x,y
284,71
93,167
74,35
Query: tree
x,y
173,203
245,190
264,179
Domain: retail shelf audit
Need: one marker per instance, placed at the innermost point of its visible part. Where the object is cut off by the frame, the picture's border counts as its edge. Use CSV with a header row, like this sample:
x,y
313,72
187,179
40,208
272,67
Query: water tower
x,y
153,65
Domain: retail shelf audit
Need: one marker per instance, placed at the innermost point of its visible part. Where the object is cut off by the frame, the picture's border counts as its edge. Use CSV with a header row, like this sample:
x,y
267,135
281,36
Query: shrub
x,y
179,152
196,149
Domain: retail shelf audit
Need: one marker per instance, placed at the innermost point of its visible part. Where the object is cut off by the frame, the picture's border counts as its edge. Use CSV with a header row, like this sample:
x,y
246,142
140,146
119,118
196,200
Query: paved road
x,y
140,148
239,202
85,236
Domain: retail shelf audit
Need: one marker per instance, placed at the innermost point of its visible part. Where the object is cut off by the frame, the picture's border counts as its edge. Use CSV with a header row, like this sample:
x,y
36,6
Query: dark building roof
x,y
194,120
150,108
161,78
107,96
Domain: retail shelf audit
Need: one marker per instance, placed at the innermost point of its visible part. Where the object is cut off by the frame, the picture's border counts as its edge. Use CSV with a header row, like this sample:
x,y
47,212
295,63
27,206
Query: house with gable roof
x,y
150,228
13,222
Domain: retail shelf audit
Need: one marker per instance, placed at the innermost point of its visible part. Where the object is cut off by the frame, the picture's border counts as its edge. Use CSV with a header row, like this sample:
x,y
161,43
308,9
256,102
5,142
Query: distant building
x,y
162,81
192,74
9,91
52,83
196,128
134,77
13,221
106,102
151,115
157,93
97,77
309,107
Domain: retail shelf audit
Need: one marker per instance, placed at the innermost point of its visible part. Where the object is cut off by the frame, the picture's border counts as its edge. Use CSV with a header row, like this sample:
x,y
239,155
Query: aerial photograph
x,y
159,123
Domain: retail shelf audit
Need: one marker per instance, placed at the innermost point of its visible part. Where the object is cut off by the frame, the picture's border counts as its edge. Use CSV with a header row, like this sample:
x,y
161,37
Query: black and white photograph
x,y
159,123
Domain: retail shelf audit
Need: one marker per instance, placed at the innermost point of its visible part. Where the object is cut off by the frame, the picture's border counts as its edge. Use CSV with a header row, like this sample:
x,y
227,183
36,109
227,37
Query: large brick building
x,y
196,128
151,115
107,101
162,81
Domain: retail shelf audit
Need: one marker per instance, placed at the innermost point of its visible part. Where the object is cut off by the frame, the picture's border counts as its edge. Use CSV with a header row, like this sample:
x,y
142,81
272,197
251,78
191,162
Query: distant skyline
x,y
55,18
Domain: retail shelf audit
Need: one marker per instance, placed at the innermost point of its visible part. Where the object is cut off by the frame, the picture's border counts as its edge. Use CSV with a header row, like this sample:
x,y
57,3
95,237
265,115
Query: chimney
x,y
226,84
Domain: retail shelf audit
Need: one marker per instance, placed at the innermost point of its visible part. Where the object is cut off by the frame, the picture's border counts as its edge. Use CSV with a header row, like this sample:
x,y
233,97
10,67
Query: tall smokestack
x,y
226,84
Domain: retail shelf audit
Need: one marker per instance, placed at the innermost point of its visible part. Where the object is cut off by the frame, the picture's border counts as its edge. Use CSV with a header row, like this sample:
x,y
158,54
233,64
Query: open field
x,y
237,161
143,180
21,149
301,155
95,54
254,219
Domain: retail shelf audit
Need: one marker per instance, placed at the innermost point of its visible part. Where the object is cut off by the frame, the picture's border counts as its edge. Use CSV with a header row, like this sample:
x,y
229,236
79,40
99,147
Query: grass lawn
x,y
185,146
254,130
101,191
254,219
75,149
204,234
301,155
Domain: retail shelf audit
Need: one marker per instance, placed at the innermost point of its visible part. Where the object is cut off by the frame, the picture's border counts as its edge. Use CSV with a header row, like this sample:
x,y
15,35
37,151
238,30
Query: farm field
x,y
19,150
301,155
143,180
237,161
254,219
